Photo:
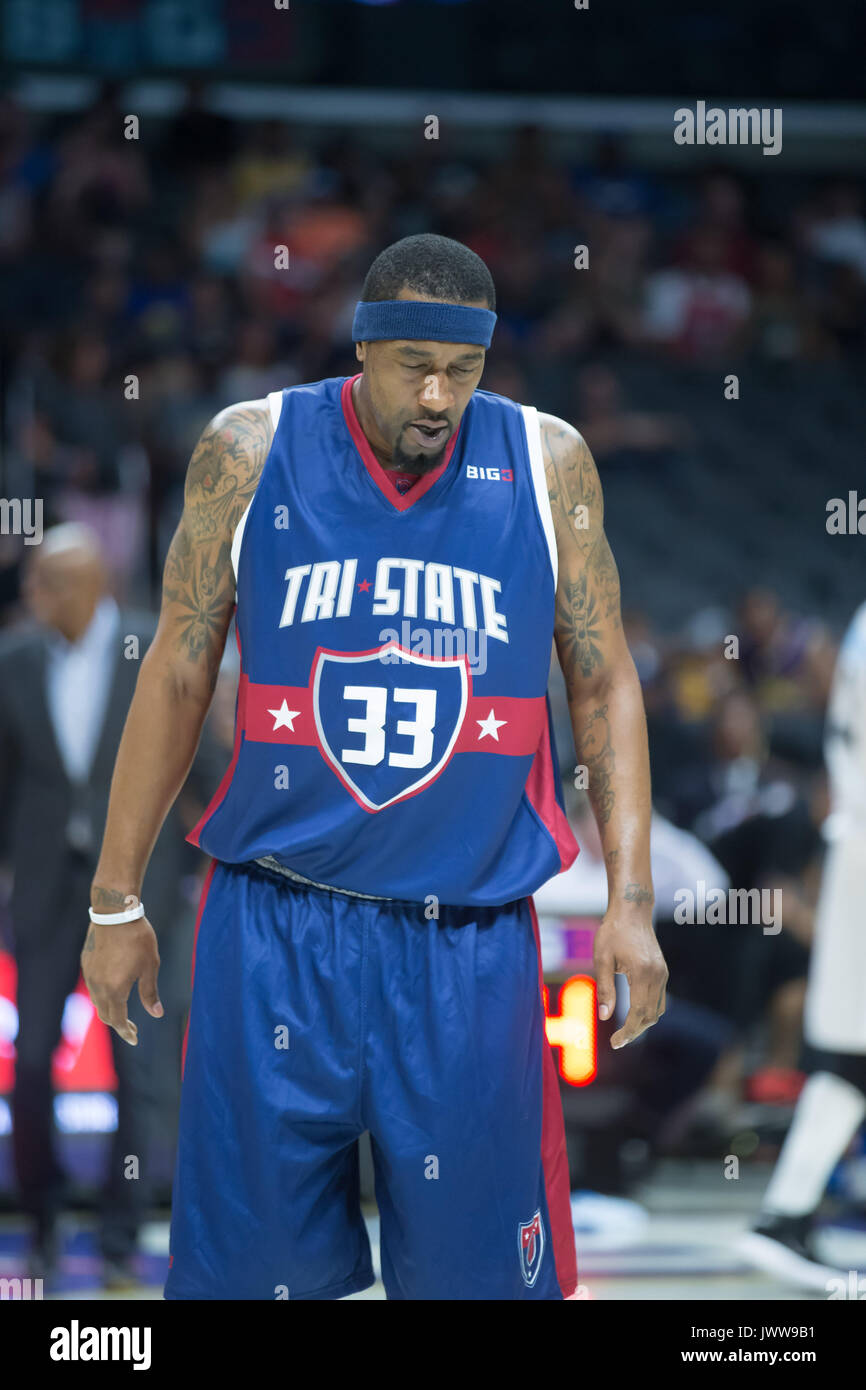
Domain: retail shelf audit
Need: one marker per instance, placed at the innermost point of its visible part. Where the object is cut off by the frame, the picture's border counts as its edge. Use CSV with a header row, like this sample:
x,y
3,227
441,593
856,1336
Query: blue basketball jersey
x,y
393,732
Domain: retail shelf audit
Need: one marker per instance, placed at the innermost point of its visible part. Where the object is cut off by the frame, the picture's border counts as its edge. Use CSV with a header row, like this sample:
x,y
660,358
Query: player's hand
x,y
626,944
113,958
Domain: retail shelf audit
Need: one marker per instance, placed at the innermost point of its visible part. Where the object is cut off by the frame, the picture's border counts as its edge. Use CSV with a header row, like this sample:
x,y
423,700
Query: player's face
x,y
416,393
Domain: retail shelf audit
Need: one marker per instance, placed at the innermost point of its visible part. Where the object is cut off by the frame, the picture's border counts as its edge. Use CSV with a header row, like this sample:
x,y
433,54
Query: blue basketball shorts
x,y
316,1016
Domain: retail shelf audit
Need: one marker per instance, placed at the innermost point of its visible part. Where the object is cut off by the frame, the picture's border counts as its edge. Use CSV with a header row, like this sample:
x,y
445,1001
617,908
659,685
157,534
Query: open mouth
x,y
429,436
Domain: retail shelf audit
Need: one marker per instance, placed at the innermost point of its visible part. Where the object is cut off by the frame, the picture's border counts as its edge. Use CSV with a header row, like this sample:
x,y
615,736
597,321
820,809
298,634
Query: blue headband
x,y
416,318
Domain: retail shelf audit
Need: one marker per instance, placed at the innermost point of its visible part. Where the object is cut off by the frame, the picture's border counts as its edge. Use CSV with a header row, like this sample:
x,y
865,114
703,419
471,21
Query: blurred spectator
x,y
268,163
197,137
698,309
837,231
318,234
737,778
258,367
104,300
211,331
82,422
722,209
524,295
777,850
78,439
788,661
221,229
507,378
25,167
529,179
783,326
616,435
841,309
102,178
610,186
643,643
677,1056
159,295
64,692
620,253
570,326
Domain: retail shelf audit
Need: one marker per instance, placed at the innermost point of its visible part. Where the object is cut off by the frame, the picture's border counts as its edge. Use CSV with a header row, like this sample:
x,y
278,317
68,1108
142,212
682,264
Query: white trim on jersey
x,y
275,405
532,426
238,537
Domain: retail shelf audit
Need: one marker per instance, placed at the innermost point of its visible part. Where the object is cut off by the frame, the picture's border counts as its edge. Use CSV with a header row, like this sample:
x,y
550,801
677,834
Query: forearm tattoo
x,y
638,893
595,751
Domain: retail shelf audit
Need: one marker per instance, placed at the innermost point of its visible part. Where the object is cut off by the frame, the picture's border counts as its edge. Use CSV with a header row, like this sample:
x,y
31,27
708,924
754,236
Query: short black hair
x,y
431,265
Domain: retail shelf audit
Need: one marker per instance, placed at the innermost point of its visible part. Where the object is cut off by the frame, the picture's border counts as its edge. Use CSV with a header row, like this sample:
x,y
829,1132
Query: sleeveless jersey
x,y
393,733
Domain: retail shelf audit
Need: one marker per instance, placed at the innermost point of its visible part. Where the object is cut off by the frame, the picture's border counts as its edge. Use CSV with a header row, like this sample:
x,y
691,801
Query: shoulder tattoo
x,y
199,581
588,597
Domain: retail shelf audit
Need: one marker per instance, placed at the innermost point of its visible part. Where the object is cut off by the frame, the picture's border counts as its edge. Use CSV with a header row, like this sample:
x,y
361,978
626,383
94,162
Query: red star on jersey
x,y
363,586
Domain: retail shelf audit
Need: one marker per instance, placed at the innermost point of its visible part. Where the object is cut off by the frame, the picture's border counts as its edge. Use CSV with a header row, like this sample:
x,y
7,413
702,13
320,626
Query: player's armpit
x,y
588,626
198,583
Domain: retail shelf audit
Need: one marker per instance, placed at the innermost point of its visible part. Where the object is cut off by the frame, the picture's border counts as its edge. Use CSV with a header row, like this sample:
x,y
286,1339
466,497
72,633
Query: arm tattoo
x,y
596,752
103,900
198,581
225,468
577,625
572,483
638,893
107,899
588,598
222,477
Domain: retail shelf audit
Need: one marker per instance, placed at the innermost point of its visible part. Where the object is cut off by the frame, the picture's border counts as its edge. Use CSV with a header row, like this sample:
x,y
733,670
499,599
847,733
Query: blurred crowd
x,y
142,293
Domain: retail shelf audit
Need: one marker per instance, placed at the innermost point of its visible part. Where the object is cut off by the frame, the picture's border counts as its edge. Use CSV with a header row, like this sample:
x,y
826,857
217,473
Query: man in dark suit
x,y
65,687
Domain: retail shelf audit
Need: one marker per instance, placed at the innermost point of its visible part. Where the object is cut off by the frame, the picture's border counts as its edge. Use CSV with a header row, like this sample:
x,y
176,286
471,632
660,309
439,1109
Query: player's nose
x,y
435,393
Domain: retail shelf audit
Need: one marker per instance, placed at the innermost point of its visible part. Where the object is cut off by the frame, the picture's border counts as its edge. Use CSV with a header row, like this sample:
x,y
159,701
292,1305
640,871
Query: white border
x,y
532,426
275,405
238,537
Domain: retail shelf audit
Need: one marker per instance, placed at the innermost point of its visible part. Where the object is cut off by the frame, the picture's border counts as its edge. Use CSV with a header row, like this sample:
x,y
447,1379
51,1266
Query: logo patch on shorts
x,y
530,1246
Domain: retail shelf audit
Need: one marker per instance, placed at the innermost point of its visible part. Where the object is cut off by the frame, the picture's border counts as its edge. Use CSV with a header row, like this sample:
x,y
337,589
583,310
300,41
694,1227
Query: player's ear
x,y
360,351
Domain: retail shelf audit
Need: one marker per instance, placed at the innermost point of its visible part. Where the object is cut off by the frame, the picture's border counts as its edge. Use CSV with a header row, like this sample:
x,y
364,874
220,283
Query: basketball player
x,y
832,1104
401,548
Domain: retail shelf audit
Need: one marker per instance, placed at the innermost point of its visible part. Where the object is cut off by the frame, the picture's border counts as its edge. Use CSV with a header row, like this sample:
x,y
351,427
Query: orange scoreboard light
x,y
573,1030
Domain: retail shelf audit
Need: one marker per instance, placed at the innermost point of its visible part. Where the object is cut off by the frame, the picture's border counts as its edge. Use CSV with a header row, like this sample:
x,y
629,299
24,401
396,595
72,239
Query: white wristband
x,y
111,919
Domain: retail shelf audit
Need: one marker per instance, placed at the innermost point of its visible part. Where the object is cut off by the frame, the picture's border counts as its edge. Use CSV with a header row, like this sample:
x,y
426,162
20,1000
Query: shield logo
x,y
530,1245
388,719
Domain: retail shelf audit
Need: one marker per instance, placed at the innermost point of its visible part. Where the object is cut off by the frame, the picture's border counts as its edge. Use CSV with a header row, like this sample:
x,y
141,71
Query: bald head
x,y
66,578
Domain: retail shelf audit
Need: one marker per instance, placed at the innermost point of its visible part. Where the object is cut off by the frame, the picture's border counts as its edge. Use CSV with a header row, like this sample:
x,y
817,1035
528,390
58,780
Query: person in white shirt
x,y
832,1104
